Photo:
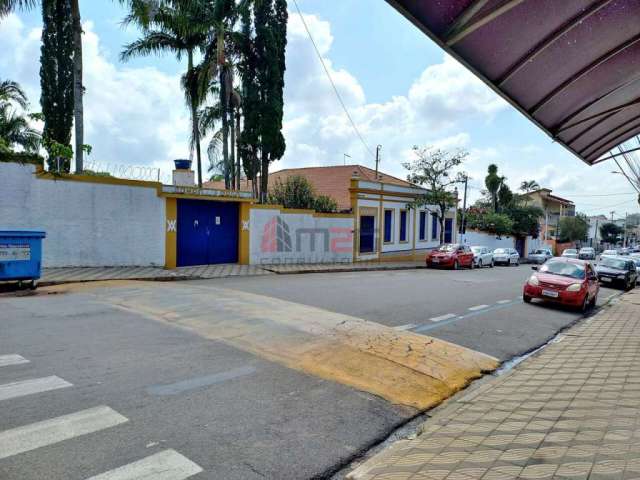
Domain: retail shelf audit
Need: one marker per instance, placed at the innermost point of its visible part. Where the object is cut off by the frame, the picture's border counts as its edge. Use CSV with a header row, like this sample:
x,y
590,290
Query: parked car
x,y
636,260
618,271
506,256
563,280
482,256
624,251
570,253
609,253
451,255
587,253
540,255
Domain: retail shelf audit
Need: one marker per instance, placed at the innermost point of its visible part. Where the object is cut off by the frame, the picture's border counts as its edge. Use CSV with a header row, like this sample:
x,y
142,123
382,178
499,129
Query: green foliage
x,y
573,228
526,220
435,170
528,186
496,223
15,130
493,181
93,173
610,232
506,198
56,79
20,157
297,192
325,204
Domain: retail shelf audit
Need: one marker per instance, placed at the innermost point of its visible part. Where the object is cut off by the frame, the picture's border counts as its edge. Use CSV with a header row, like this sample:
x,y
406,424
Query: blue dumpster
x,y
21,255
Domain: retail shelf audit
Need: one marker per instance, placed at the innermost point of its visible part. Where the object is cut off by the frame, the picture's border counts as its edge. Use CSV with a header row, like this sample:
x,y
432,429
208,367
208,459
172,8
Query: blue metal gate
x,y
367,233
448,230
207,232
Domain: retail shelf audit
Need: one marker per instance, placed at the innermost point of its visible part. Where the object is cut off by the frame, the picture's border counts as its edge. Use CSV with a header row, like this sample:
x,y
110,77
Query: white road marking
x,y
31,386
409,326
442,317
166,465
503,302
6,360
40,434
477,307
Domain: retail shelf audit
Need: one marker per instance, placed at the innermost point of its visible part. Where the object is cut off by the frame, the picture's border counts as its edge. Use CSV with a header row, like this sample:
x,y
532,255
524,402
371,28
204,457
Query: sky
x,y
399,87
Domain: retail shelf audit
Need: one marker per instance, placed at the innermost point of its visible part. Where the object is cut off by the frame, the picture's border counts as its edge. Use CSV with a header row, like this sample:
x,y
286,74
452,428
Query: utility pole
x,y
626,218
464,204
378,148
612,213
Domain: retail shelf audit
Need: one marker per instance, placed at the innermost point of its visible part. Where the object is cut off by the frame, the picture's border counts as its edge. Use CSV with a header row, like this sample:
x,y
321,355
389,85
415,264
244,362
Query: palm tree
x,y
493,182
15,130
528,186
176,28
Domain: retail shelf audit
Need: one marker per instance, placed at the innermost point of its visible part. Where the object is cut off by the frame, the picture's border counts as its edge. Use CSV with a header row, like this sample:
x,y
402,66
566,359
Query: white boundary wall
x,y
484,239
278,237
87,224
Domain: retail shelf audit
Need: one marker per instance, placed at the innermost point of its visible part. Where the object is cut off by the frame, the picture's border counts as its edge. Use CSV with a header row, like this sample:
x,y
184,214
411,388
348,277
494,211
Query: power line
x,y
335,89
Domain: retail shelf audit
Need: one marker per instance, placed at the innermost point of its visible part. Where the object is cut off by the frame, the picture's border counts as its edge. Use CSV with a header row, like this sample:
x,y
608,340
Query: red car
x,y
566,281
451,255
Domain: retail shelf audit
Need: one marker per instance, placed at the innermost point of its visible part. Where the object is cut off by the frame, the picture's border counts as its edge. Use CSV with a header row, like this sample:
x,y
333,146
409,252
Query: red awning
x,y
571,66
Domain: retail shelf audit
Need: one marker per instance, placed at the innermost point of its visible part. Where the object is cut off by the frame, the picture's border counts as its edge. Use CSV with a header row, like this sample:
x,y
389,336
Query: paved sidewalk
x,y
571,411
89,274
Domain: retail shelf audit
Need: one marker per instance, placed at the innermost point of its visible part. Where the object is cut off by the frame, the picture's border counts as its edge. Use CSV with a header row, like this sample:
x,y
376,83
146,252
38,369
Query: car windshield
x,y
564,269
613,263
539,252
570,250
448,248
500,250
476,249
609,252
586,250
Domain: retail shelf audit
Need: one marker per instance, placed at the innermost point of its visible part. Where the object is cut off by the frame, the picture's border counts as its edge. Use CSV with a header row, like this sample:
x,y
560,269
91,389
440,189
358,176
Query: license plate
x,y
435,260
605,279
550,293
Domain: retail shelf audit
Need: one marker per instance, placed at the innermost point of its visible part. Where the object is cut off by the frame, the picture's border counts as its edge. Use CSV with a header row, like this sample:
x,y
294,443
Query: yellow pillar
x,y
245,234
171,234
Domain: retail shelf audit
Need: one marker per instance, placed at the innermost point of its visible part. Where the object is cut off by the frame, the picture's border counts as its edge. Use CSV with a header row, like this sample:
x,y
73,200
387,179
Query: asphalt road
x,y
500,324
124,388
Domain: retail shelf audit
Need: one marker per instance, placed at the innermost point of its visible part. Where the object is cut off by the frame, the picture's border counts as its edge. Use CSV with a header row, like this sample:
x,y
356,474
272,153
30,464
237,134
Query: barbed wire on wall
x,y
129,172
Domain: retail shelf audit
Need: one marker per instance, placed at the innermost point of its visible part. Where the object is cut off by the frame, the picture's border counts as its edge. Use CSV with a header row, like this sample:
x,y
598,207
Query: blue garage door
x,y
207,232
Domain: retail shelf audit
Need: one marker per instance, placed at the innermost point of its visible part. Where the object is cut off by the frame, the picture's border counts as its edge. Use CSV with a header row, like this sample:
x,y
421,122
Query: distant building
x,y
554,209
594,238
385,226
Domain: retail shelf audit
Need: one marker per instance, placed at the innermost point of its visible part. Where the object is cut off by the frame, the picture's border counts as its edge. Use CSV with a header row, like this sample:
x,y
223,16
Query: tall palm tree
x,y
15,130
177,28
528,186
493,182
6,6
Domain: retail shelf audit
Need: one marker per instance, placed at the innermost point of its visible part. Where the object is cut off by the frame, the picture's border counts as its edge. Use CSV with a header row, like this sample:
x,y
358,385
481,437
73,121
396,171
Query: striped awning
x,y
571,66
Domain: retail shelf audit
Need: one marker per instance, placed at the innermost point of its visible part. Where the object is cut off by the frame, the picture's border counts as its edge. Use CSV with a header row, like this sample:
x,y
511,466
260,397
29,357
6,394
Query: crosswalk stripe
x,y
55,430
31,386
165,465
6,360
503,302
409,326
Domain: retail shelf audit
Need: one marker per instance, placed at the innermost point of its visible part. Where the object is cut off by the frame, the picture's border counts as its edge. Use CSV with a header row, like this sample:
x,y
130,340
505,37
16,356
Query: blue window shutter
x,y
403,226
423,225
434,226
388,225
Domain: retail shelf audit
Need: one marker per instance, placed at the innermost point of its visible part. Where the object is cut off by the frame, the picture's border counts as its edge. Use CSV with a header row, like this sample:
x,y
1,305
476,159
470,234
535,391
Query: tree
x,y
262,68
528,186
434,169
505,196
177,28
573,228
610,232
526,220
493,182
56,80
297,192
15,131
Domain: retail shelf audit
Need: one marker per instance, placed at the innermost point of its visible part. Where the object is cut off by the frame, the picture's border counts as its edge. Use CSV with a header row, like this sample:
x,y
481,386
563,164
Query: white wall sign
x,y
10,253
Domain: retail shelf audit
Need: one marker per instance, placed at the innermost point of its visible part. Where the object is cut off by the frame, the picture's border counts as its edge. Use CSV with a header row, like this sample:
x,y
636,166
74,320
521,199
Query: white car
x,y
570,253
609,253
482,256
506,256
540,255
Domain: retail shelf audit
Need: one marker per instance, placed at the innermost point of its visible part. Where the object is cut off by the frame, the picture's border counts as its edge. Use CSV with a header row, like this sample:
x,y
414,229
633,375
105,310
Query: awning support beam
x,y
551,39
455,35
612,156
585,71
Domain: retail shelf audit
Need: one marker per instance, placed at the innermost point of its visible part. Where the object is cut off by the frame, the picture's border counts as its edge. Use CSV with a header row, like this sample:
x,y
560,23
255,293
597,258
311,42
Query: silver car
x,y
506,256
587,253
482,256
570,253
540,255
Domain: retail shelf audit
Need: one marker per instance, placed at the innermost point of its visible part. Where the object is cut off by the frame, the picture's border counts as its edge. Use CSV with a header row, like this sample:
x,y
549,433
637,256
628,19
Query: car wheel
x,y
585,304
627,285
509,263
526,298
493,264
456,265
472,265
594,301
480,263
33,284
